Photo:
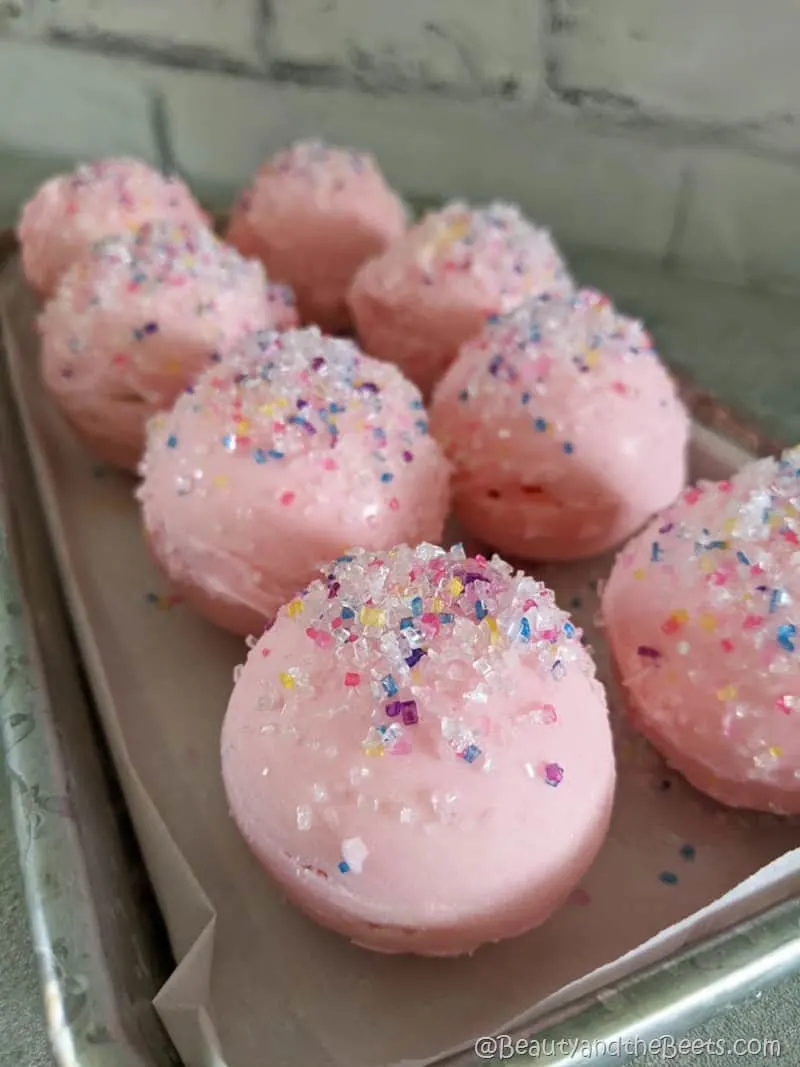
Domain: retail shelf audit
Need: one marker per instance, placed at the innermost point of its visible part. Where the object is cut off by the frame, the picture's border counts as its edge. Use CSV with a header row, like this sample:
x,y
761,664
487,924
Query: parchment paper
x,y
258,985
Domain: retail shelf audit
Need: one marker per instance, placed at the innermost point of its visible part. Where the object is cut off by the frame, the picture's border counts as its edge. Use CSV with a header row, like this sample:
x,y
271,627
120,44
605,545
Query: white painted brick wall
x,y
727,62
664,128
477,46
225,29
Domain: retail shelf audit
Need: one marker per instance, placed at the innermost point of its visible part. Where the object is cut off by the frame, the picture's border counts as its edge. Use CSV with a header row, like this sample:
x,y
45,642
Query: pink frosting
x,y
70,212
313,214
134,322
701,616
295,447
564,428
419,751
433,290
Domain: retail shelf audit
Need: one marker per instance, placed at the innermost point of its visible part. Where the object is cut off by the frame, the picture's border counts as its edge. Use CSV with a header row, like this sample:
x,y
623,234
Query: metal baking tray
x,y
99,940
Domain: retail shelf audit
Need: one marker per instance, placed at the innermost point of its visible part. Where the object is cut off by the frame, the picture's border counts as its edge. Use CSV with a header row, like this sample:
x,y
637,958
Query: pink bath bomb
x,y
564,428
295,447
700,612
71,212
419,751
134,321
433,290
313,214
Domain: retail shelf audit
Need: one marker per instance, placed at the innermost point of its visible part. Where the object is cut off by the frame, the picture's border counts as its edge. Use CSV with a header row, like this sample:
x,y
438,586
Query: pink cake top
x,y
489,255
420,741
314,167
279,396
701,609
70,212
573,376
172,267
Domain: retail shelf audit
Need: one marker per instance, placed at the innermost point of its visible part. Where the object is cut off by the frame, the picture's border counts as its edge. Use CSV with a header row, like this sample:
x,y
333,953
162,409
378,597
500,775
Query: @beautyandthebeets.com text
x,y
502,1047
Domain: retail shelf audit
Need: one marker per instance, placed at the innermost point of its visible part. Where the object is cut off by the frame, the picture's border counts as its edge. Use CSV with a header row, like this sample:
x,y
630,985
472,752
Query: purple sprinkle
x,y
415,657
410,713
665,529
369,387
407,709
318,363
150,327
407,457
648,652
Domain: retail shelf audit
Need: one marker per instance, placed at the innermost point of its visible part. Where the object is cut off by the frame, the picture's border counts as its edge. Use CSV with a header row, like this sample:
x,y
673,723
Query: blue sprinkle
x,y
524,629
534,334
471,753
406,623
446,617
743,558
568,447
345,559
540,425
422,425
260,456
463,396
688,852
344,867
387,476
569,629
229,441
348,613
275,454
785,635
525,398
416,605
492,320
389,685
668,878
417,405
655,552
775,599
172,441
575,602
481,611
716,544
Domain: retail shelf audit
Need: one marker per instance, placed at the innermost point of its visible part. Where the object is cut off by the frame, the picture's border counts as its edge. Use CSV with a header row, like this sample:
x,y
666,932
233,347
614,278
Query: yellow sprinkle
x,y
371,617
243,426
416,677
282,402
455,586
294,607
729,526
373,750
268,409
490,622
728,692
776,752
638,574
437,604
286,680
680,616
590,358
708,622
706,565
220,481
172,366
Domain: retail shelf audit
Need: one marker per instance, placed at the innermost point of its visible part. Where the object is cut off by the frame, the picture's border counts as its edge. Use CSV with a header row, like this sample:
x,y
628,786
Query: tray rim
x,y
688,987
